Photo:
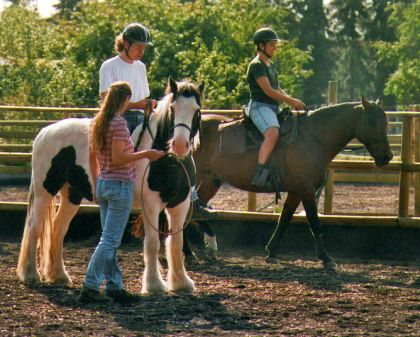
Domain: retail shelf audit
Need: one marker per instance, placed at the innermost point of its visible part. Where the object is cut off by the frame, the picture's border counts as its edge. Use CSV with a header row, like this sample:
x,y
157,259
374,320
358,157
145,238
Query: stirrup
x,y
260,178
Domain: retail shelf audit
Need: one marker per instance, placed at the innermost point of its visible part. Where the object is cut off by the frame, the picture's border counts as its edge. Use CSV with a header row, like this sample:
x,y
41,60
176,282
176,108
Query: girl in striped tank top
x,y
112,165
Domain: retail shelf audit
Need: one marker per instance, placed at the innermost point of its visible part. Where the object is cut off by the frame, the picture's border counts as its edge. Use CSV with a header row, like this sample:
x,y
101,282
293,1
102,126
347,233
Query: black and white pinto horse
x,y
60,165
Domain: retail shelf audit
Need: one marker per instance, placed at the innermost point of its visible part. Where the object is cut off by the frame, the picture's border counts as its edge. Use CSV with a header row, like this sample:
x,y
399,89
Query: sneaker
x,y
92,296
201,213
261,177
122,296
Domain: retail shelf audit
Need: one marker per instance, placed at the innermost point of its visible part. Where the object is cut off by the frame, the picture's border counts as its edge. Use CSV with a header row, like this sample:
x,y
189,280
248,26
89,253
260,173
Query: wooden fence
x,y
408,142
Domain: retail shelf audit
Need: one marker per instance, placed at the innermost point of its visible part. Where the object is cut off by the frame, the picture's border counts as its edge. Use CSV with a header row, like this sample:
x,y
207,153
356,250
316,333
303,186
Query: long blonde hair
x,y
115,97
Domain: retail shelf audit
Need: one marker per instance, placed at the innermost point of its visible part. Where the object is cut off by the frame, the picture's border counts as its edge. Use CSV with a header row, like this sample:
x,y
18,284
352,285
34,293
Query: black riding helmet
x,y
136,32
265,34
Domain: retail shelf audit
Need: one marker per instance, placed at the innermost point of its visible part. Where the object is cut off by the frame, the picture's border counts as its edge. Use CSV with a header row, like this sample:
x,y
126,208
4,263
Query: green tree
x,y
403,55
379,29
56,61
67,8
353,71
308,25
22,49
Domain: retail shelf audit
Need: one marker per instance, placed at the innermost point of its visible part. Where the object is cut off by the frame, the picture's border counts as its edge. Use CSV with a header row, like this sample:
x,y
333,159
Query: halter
x,y
365,133
162,136
195,124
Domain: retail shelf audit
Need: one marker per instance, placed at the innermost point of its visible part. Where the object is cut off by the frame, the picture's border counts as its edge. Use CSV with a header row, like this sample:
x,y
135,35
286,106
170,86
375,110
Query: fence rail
x,y
408,142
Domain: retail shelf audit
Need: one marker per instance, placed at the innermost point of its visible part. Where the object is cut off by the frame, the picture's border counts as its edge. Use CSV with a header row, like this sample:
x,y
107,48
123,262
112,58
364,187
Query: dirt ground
x,y
348,198
237,295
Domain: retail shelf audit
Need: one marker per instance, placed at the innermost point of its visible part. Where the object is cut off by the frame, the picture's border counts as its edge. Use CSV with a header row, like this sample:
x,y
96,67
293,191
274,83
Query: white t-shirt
x,y
115,69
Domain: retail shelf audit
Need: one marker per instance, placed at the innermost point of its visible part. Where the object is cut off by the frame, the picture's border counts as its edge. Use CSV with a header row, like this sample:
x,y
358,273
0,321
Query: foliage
x,y
55,61
404,54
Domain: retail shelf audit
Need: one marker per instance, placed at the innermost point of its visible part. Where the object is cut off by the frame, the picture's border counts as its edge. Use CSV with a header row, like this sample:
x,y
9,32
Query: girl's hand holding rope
x,y
153,155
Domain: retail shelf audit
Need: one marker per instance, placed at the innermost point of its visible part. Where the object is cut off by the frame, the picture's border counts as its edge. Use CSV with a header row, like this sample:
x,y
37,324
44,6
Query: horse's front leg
x,y
152,276
313,219
178,280
273,246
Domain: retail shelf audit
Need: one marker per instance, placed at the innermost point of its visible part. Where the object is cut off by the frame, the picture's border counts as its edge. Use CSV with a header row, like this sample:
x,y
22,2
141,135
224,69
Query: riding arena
x,y
343,263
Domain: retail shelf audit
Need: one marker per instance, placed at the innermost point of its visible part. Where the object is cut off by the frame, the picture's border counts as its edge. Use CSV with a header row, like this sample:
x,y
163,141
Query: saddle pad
x,y
241,136
232,137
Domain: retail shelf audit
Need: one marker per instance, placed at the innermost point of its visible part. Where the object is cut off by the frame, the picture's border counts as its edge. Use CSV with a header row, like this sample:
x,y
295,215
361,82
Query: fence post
x,y
329,186
417,159
406,158
252,201
332,92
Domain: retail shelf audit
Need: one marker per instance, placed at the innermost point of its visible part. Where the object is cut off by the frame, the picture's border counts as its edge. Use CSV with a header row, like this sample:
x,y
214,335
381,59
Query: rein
x,y
147,112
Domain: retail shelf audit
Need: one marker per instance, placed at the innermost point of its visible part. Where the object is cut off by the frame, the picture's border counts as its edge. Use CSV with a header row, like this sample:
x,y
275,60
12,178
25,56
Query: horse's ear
x,y
365,103
172,84
380,103
201,87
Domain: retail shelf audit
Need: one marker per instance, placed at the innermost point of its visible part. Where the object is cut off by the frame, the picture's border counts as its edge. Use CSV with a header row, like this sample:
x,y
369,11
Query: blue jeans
x,y
114,198
133,119
263,115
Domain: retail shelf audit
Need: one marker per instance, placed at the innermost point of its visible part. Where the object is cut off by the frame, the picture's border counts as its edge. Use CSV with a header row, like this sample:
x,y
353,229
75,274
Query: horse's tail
x,y
137,230
46,239
24,246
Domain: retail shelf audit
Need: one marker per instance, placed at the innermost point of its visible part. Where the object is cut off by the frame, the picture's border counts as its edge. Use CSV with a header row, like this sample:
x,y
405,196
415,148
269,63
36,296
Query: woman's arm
x,y
135,105
278,95
119,157
142,104
94,169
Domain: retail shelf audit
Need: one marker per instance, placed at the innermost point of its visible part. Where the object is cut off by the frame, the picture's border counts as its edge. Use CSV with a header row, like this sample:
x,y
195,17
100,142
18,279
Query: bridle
x,y
195,124
163,133
366,135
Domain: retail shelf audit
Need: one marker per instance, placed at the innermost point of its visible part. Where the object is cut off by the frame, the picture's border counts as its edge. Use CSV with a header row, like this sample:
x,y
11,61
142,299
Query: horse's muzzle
x,y
383,160
179,147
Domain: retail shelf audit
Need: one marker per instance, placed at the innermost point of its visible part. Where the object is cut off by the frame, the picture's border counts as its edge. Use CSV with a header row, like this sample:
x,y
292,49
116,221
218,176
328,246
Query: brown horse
x,y
301,165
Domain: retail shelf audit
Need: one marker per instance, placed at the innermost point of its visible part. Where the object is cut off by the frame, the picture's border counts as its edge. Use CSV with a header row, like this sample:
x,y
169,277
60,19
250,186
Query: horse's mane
x,y
334,108
187,88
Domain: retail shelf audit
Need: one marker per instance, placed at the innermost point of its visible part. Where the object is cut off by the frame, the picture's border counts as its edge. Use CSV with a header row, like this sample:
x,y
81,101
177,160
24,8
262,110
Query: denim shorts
x,y
263,115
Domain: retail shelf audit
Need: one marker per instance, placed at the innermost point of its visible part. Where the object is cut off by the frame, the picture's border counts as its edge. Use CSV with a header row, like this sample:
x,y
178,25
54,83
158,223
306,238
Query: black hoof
x,y
329,267
191,258
272,260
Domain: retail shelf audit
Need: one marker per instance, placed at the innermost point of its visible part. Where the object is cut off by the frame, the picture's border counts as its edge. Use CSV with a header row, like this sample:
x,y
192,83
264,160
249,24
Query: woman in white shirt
x,y
126,66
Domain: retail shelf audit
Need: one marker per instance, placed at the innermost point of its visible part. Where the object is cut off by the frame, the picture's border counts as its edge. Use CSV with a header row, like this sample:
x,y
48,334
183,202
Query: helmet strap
x,y
127,49
263,51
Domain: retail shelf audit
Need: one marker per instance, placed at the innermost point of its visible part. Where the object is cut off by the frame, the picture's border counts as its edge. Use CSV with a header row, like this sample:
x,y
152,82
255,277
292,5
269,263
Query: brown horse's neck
x,y
333,127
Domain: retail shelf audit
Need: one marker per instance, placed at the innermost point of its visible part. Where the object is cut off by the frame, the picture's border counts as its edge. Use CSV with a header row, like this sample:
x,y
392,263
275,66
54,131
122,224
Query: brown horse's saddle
x,y
241,135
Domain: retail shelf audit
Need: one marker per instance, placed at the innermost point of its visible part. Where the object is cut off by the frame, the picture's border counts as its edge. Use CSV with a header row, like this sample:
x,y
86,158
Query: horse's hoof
x,y
31,281
60,282
153,291
187,288
211,254
272,260
190,259
329,267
